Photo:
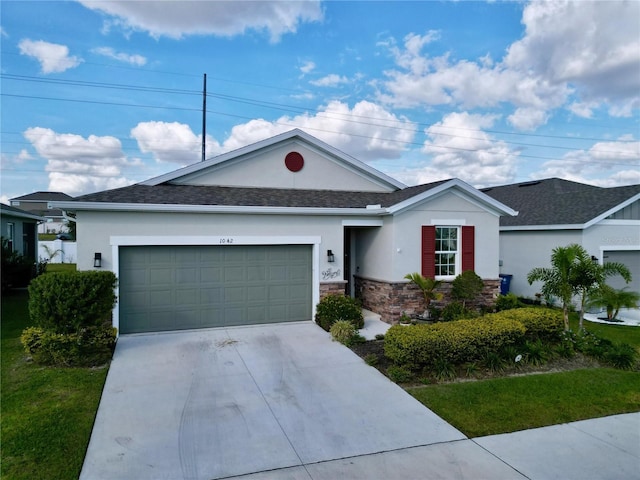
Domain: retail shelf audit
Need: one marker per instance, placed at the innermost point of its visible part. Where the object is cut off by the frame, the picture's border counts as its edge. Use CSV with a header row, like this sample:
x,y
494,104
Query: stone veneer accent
x,y
390,299
332,288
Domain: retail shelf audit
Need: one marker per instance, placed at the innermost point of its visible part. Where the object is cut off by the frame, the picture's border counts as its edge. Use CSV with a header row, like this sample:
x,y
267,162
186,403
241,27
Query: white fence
x,y
58,251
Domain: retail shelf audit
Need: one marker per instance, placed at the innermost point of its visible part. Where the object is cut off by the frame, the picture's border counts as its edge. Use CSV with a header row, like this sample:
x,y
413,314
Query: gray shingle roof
x,y
168,194
554,201
13,211
44,197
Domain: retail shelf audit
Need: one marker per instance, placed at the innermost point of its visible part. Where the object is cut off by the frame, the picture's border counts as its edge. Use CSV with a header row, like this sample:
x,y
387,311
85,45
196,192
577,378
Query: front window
x,y
11,235
447,251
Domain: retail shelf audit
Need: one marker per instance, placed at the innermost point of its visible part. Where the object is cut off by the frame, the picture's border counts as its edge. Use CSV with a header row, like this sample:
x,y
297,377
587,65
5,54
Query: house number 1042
x,y
226,240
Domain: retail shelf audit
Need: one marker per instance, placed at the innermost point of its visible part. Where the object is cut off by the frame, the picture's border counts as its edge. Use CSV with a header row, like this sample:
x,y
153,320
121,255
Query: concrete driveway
x,y
279,401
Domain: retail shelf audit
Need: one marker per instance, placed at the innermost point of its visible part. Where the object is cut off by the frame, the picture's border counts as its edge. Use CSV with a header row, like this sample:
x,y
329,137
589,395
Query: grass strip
x,y
503,405
47,413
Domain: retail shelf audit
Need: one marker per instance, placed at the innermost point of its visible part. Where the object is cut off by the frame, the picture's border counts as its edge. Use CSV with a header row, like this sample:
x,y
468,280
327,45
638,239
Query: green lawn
x,y
47,413
61,267
615,333
493,406
503,405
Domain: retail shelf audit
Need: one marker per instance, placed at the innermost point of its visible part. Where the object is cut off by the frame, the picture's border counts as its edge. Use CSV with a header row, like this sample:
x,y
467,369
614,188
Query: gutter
x,y
370,210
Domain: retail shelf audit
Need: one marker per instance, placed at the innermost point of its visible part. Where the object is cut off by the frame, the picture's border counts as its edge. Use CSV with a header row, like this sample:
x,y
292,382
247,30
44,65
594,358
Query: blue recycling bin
x,y
505,283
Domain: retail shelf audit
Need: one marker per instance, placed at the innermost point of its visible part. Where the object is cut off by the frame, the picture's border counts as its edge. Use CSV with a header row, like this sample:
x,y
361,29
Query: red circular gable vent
x,y
294,161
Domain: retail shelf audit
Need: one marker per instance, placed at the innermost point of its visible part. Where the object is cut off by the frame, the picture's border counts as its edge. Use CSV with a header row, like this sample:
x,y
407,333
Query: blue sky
x,y
99,95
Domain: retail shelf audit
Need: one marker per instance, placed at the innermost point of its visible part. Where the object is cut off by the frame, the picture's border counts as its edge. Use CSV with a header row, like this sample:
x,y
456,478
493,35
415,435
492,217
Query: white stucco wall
x,y
448,209
94,230
522,251
374,251
267,169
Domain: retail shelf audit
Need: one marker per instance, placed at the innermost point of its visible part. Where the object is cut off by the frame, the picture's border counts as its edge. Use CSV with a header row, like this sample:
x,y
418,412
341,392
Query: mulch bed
x,y
367,351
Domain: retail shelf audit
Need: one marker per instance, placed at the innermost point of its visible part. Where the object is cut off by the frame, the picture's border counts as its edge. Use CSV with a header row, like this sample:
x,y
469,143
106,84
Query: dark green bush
x,y
508,302
455,311
457,342
399,374
16,270
66,302
541,323
338,307
621,355
90,346
466,286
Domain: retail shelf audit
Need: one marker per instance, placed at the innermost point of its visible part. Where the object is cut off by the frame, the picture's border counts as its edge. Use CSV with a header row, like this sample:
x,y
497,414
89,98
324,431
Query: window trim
x,y
465,259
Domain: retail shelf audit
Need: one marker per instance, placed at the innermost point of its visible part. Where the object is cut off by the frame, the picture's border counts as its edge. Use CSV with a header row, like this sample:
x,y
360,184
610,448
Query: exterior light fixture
x,y
97,260
594,259
330,256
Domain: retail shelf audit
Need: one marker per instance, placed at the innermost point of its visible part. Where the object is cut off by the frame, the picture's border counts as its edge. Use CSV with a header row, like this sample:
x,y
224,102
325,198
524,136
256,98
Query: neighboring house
x,y
260,234
38,204
20,230
555,212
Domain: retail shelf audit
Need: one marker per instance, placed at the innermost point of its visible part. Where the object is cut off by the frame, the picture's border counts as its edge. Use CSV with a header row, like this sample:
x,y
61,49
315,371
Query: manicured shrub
x,y
541,323
508,302
338,307
66,302
458,341
90,346
342,331
466,286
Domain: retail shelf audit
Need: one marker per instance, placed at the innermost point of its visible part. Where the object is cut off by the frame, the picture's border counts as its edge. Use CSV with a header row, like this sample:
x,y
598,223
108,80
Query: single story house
x,y
555,212
19,228
38,204
260,234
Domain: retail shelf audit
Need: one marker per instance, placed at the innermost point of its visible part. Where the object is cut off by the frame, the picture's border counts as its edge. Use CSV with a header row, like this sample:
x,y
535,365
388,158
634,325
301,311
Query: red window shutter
x,y
468,248
429,251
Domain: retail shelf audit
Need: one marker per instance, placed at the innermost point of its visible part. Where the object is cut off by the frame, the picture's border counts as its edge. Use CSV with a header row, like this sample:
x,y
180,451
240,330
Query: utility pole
x,y
204,118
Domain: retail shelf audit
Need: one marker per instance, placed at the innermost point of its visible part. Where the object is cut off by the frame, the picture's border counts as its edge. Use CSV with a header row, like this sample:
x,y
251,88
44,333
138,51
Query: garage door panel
x,y
180,287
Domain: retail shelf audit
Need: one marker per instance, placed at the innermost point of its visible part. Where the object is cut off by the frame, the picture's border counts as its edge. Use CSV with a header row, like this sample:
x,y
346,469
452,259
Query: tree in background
x,y
613,300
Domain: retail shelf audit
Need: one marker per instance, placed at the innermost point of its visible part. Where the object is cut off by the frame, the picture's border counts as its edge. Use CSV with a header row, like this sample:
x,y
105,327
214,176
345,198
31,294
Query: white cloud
x,y
307,67
177,19
331,80
367,131
53,57
78,165
528,118
172,142
593,45
586,51
459,148
138,60
605,164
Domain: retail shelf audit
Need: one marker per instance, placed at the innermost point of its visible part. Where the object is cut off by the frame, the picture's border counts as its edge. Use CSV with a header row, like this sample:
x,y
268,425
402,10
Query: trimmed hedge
x,y
338,307
88,347
67,302
457,342
544,324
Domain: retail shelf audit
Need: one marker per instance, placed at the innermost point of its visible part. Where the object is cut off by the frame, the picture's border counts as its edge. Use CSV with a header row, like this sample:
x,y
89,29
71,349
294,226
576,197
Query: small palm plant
x,y
613,300
428,288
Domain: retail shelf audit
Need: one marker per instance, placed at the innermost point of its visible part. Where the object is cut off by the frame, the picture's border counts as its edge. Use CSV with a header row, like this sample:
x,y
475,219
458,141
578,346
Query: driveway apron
x,y
216,403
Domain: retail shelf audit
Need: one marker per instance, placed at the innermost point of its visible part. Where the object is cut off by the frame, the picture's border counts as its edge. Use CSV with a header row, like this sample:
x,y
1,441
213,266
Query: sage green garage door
x,y
180,287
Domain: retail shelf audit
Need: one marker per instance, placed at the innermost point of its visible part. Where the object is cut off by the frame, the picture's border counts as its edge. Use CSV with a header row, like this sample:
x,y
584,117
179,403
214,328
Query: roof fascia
x,y
462,189
229,209
613,210
270,142
514,228
30,216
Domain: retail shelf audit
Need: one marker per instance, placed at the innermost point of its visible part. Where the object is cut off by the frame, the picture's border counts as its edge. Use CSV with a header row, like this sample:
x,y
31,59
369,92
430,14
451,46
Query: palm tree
x,y
613,300
427,286
589,277
557,280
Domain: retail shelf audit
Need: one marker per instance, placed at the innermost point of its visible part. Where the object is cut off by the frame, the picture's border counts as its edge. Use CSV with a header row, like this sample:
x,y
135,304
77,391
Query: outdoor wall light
x,y
97,260
594,259
330,256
